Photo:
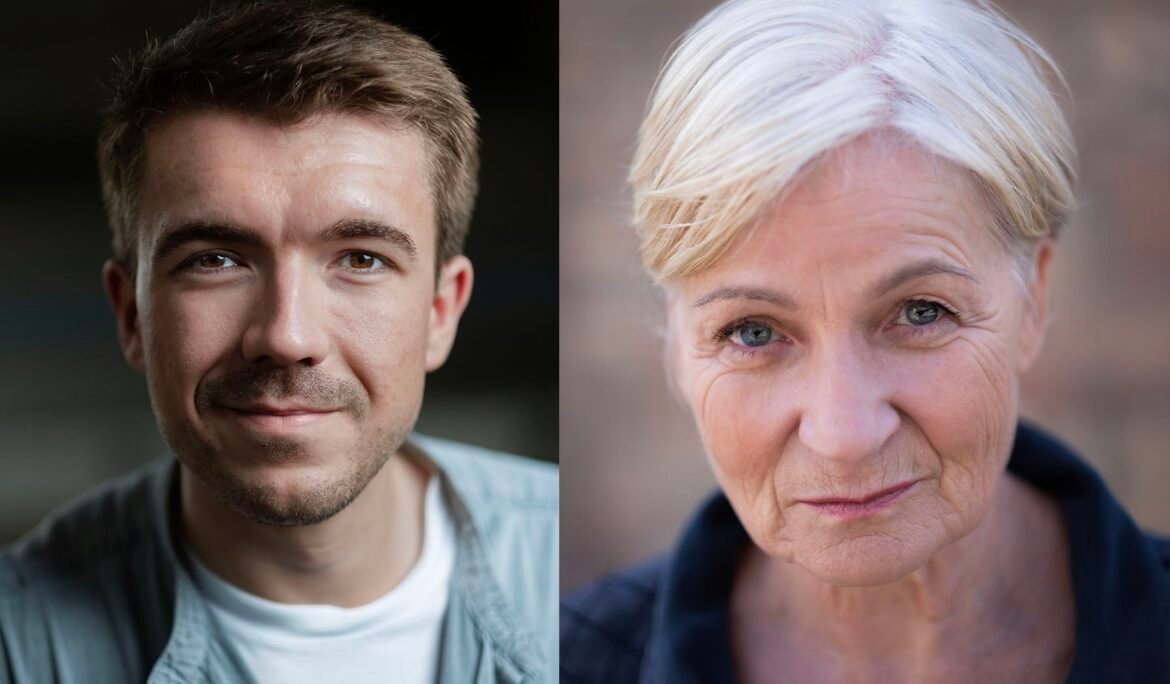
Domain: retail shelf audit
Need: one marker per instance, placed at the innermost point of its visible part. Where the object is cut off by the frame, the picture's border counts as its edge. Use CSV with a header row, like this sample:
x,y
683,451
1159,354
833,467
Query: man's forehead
x,y
247,170
195,142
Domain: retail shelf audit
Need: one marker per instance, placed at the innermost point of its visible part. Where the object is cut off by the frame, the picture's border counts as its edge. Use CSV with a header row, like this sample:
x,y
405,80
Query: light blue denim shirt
x,y
97,593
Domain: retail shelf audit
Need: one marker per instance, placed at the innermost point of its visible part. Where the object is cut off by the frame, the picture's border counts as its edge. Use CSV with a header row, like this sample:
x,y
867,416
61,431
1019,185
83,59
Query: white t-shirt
x,y
396,637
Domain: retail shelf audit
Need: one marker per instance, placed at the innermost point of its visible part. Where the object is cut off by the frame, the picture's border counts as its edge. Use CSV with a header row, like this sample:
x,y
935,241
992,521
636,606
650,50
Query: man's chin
x,y
247,451
283,480
288,507
285,486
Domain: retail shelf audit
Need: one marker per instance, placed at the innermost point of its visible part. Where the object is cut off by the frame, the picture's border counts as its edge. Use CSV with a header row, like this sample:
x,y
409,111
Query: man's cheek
x,y
388,334
187,340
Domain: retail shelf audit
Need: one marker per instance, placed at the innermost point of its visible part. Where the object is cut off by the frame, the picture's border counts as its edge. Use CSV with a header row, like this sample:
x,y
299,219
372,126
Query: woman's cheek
x,y
737,417
964,411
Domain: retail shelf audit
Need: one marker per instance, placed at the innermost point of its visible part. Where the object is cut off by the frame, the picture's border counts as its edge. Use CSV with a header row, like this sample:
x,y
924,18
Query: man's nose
x,y
846,413
287,323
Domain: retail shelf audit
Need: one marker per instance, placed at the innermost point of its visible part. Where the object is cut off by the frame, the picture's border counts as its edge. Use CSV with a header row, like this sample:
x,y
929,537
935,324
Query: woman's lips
x,y
858,508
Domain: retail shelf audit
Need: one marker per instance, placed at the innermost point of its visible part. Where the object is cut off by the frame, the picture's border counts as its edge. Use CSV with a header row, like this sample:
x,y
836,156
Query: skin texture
x,y
339,328
848,398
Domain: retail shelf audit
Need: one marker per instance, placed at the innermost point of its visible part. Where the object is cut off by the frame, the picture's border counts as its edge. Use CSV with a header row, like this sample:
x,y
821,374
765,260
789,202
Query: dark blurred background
x,y
632,463
72,413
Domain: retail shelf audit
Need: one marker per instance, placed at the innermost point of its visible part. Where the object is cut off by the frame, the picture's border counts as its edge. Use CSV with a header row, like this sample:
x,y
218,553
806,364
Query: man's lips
x,y
279,418
274,410
862,506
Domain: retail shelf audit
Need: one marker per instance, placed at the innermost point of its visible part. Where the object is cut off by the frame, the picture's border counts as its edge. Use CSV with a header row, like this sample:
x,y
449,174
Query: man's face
x,y
285,306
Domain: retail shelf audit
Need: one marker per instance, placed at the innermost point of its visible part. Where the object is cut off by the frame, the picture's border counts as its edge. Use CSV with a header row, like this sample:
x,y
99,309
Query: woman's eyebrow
x,y
905,274
757,293
920,269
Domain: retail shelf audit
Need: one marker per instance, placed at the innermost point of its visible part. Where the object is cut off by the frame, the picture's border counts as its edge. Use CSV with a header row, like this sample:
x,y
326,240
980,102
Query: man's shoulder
x,y
81,595
605,625
513,503
493,478
105,521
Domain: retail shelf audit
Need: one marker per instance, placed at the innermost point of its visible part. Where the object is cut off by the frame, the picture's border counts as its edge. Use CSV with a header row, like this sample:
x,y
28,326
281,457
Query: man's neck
x,y
351,559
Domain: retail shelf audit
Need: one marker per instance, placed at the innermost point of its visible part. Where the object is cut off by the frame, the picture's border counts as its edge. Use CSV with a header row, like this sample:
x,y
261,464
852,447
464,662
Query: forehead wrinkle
x,y
924,224
932,212
917,204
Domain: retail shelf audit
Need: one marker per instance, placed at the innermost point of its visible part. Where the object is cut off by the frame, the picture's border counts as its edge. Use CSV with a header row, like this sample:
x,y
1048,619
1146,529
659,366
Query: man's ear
x,y
1035,323
451,294
119,284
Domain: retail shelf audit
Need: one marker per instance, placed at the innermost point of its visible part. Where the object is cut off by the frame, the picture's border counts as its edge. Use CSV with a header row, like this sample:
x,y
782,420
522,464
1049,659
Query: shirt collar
x,y
689,638
479,618
494,625
1119,573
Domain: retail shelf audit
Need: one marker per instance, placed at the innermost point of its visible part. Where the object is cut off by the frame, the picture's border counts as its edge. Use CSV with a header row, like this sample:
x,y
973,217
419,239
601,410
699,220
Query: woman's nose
x,y
846,414
287,325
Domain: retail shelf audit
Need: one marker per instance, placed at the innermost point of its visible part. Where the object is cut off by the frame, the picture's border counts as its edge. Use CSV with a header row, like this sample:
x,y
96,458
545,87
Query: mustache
x,y
308,385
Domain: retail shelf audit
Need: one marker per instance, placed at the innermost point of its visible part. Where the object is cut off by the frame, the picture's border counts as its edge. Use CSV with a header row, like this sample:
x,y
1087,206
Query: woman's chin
x,y
866,561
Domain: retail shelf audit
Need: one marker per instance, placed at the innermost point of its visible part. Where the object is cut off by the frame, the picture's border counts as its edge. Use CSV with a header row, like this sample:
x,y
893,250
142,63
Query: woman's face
x,y
852,363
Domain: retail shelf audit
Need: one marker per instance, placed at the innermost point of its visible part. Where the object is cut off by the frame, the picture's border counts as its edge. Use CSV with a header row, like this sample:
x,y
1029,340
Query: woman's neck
x,y
1006,581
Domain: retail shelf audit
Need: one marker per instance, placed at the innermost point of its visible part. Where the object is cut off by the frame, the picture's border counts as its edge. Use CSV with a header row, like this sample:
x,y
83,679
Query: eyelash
x,y
723,335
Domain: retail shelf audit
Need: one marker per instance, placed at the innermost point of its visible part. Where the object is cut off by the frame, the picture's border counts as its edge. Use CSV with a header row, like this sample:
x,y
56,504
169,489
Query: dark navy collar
x,y
1120,579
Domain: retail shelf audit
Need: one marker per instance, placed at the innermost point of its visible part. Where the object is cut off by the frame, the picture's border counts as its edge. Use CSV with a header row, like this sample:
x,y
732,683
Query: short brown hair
x,y
286,62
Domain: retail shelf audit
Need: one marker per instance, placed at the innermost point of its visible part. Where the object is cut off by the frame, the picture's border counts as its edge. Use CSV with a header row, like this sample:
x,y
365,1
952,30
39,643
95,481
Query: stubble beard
x,y
315,502
259,500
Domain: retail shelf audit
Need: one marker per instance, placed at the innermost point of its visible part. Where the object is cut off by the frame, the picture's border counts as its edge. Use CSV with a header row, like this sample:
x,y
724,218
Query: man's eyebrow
x,y
759,294
200,231
920,269
345,229
905,274
349,229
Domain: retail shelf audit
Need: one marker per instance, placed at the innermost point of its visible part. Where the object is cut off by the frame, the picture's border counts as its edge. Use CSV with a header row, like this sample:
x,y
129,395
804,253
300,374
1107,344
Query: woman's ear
x,y
1035,321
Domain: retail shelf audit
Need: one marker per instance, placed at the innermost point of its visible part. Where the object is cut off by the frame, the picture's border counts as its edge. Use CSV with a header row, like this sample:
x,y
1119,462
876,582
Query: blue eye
x,y
920,312
754,334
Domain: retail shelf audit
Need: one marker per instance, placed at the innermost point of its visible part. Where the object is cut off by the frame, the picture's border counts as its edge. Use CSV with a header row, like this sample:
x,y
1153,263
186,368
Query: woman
x,y
851,209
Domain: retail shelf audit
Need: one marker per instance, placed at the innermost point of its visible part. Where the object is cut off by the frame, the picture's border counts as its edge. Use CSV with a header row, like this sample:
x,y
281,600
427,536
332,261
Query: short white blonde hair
x,y
759,89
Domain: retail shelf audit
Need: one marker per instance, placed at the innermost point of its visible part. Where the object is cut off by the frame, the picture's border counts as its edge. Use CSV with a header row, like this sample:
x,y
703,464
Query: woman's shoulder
x,y
1161,544
605,625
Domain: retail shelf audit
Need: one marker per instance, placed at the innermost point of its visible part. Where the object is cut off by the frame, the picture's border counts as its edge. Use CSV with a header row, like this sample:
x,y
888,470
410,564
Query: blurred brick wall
x,y
631,463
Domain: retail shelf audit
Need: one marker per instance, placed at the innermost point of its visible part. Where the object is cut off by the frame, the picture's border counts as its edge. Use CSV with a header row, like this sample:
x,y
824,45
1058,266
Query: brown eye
x,y
214,262
361,261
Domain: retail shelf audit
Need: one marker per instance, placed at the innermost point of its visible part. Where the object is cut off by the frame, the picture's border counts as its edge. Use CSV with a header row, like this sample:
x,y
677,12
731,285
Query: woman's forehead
x,y
871,180
871,206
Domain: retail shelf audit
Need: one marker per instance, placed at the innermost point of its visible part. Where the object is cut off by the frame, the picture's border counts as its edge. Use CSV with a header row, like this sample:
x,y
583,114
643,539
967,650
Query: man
x,y
289,187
